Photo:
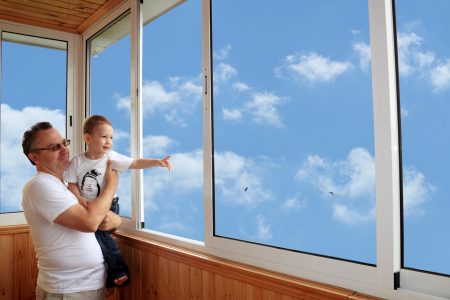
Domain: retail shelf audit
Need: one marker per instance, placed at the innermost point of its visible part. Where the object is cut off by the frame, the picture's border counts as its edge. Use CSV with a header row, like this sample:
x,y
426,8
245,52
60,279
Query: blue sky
x,y
293,121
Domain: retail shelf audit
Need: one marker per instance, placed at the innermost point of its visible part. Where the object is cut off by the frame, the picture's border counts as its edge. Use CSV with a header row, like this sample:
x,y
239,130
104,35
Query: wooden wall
x,y
162,271
18,269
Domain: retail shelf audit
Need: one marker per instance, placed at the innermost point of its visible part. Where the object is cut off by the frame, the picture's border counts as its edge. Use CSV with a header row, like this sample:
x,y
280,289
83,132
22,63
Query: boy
x,y
85,180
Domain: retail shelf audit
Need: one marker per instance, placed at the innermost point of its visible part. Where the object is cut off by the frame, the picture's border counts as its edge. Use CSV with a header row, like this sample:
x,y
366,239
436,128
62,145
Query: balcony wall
x,y
162,271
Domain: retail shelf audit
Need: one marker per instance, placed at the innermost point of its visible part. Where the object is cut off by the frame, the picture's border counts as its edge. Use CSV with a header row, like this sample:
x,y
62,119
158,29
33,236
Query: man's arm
x,y
112,221
88,219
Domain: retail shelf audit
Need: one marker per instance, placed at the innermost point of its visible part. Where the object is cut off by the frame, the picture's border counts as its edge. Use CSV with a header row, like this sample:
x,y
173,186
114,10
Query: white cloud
x,y
352,182
264,231
405,43
185,177
358,170
120,134
411,58
363,51
311,67
240,86
222,53
237,180
16,169
348,215
231,114
122,103
416,191
174,226
224,72
292,203
263,108
156,98
173,103
156,145
440,76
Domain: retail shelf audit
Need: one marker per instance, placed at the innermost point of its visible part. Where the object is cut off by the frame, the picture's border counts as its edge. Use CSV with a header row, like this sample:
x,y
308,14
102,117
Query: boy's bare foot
x,y
120,280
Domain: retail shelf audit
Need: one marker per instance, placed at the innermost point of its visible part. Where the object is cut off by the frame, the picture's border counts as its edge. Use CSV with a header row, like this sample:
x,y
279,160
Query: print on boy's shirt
x,y
90,188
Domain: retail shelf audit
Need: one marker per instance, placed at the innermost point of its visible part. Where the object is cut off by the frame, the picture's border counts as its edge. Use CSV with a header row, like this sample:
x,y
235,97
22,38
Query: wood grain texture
x,y
161,271
7,263
202,276
73,16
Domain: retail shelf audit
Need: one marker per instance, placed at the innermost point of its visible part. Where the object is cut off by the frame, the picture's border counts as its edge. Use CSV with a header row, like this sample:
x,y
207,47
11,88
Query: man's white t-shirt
x,y
69,261
89,173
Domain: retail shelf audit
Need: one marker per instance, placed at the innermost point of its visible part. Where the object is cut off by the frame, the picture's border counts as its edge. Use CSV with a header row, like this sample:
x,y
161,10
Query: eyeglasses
x,y
54,147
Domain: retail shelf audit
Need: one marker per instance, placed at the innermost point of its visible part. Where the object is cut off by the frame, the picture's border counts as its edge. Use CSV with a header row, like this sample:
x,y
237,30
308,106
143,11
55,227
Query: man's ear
x,y
32,157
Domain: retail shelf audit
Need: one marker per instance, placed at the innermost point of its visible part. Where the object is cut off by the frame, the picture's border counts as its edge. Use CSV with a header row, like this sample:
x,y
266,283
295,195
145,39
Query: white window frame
x,y
374,280
16,218
135,98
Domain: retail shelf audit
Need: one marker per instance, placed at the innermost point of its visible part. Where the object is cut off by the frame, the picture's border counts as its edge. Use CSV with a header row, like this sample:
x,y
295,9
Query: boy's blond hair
x,y
93,121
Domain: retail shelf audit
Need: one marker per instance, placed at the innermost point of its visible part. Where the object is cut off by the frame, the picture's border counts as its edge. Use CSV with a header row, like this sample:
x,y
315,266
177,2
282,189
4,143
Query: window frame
x,y
17,218
375,280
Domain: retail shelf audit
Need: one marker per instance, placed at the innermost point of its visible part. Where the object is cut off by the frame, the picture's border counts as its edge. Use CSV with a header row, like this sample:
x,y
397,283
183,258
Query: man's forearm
x,y
101,205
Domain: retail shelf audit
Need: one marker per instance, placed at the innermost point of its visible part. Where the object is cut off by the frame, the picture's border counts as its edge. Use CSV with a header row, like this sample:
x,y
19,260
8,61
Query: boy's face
x,y
100,141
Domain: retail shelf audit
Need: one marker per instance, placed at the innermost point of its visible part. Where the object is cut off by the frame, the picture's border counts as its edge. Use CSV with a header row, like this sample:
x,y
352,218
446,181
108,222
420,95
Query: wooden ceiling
x,y
64,15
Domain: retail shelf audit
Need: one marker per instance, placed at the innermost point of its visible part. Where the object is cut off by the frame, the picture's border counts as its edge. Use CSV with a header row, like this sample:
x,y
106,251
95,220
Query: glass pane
x,y
172,118
110,92
424,68
293,126
33,89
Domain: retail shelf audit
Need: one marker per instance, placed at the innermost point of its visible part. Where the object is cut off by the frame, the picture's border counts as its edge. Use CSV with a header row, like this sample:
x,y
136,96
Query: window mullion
x,y
386,141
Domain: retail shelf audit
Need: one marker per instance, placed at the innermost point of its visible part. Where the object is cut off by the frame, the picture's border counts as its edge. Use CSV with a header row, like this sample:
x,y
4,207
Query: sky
x,y
293,124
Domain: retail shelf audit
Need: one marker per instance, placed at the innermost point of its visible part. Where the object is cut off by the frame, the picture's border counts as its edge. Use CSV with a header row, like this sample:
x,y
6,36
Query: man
x,y
70,261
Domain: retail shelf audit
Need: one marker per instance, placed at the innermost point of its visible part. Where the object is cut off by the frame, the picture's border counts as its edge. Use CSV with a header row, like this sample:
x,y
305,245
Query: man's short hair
x,y
30,135
93,121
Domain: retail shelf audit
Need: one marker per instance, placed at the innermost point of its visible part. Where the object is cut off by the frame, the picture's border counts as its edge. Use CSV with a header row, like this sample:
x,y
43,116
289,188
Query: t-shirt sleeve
x,y
70,175
120,162
50,199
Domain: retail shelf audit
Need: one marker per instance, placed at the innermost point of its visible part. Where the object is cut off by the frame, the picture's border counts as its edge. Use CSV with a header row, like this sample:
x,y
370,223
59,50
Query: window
x,y
424,68
172,117
34,76
109,91
293,126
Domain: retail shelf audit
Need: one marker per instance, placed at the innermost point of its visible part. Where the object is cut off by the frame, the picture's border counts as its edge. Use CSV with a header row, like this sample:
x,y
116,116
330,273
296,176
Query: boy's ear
x,y
87,138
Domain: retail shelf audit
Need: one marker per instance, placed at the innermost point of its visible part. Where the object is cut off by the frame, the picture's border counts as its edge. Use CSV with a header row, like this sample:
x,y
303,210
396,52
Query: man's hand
x,y
110,222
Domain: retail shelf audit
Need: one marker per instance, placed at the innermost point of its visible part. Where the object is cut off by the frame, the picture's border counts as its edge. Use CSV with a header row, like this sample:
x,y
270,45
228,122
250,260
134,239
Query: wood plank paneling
x,y
184,280
208,285
148,285
195,283
65,15
7,263
215,278
25,267
160,271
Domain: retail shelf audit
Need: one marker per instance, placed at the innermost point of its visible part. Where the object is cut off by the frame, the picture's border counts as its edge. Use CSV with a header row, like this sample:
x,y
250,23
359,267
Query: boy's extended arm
x,y
88,219
145,163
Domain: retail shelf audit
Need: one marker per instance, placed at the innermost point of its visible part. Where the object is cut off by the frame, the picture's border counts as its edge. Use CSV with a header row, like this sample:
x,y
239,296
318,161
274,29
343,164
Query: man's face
x,y
53,162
